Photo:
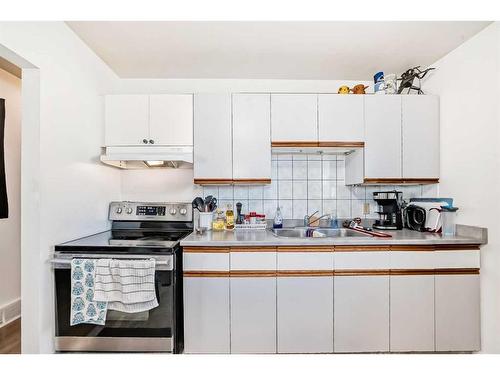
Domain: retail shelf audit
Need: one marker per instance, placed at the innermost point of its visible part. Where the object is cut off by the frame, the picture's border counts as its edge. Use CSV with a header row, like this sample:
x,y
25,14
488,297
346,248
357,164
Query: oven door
x,y
150,331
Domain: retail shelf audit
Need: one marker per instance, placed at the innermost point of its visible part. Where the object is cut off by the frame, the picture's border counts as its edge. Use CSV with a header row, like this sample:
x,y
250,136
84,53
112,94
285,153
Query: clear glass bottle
x,y
219,223
278,219
229,218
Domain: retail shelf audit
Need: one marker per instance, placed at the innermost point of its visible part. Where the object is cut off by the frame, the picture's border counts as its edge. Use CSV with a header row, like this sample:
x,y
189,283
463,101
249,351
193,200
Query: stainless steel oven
x,y
152,330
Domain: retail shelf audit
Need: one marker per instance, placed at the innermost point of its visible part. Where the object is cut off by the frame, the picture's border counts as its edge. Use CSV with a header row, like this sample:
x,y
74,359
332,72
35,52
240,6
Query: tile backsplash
x,y
302,184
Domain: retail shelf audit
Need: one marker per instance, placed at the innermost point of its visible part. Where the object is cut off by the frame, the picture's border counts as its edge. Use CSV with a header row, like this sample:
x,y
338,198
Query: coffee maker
x,y
389,210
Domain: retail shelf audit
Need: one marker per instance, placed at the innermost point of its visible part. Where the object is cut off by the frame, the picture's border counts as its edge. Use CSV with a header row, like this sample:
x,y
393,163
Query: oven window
x,y
157,322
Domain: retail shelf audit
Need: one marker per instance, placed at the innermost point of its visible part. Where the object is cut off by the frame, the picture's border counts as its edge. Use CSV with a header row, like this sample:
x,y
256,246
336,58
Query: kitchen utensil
x,y
354,225
212,205
198,204
239,219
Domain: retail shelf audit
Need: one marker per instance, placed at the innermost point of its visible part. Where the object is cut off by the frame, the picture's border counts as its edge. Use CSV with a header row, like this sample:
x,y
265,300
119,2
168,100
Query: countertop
x,y
465,235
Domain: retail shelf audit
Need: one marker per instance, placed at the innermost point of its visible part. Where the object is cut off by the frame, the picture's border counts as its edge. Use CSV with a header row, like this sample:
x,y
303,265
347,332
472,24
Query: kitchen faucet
x,y
308,221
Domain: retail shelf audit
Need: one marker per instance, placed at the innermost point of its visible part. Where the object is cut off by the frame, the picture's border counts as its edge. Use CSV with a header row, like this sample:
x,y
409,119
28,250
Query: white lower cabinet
x,y
412,313
305,314
253,314
361,319
457,313
206,315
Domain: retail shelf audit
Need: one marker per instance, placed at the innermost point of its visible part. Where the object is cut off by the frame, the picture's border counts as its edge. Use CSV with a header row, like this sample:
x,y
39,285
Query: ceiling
x,y
270,50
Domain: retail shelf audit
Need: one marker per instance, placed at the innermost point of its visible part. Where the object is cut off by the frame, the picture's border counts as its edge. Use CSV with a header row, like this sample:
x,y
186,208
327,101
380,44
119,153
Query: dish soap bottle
x,y
229,218
278,219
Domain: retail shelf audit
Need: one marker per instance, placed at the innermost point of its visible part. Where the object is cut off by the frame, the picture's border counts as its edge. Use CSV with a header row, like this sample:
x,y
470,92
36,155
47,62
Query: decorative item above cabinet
x,y
148,131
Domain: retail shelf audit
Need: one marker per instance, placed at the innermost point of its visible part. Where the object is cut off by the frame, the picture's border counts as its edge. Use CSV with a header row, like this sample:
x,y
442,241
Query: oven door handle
x,y
161,265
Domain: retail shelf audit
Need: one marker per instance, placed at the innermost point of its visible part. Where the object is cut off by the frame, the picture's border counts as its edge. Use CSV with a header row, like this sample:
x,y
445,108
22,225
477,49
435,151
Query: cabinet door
x,y
412,313
341,118
251,137
457,313
294,117
420,136
206,315
382,136
253,314
126,120
305,314
213,156
171,120
361,314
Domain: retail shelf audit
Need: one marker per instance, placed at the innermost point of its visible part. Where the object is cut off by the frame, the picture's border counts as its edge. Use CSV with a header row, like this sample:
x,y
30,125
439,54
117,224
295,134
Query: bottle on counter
x,y
229,218
239,216
219,223
278,219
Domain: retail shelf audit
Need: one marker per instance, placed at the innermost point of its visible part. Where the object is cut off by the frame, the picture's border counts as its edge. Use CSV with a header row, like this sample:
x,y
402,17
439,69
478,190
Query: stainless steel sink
x,y
301,232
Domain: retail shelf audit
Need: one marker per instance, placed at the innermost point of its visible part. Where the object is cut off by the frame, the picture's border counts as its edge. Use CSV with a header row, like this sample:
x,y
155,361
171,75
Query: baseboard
x,y
10,312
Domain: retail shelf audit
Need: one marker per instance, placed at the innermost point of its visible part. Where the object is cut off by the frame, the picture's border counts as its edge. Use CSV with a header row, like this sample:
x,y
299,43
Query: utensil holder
x,y
205,220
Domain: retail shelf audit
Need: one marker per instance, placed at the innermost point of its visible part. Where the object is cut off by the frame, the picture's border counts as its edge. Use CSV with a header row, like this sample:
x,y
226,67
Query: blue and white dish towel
x,y
84,309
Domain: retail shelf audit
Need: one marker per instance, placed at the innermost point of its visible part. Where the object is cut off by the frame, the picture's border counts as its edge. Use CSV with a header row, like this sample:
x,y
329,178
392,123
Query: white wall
x,y
10,228
468,82
170,185
71,187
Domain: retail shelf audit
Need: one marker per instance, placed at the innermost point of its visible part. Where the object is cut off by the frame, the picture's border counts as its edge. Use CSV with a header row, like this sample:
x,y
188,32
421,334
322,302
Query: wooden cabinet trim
x,y
381,272
305,249
206,249
246,181
206,274
361,248
305,273
253,249
252,273
294,144
423,181
353,144
411,272
456,271
213,181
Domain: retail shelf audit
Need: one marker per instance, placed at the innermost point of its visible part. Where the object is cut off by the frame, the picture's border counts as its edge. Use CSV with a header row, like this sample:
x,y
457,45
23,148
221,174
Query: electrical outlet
x,y
366,208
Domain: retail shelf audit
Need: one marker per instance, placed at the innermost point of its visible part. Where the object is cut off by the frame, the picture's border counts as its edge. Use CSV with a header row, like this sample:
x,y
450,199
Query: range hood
x,y
140,157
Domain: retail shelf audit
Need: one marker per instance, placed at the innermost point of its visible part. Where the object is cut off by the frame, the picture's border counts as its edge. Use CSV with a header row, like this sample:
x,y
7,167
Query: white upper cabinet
x,y
341,118
132,120
171,119
420,136
251,137
212,137
126,120
382,153
294,117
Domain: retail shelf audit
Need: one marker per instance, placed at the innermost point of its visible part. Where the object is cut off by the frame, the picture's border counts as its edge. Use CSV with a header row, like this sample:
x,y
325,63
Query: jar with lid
x,y
448,217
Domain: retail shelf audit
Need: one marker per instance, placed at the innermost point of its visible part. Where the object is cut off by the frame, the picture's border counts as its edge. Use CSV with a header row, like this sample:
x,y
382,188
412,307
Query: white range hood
x,y
139,157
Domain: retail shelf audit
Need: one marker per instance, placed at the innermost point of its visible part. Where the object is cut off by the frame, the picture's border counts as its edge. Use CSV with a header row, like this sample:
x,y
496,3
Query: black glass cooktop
x,y
126,241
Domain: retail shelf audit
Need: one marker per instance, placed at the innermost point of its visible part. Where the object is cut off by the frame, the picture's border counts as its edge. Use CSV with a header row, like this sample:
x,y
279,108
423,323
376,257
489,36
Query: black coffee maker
x,y
389,210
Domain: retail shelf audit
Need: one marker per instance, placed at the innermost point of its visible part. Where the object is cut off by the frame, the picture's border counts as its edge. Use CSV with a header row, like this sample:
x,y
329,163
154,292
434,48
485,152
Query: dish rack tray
x,y
257,226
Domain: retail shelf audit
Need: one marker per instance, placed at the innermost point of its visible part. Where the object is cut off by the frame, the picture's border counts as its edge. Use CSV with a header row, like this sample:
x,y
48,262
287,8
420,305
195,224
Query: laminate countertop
x,y
465,235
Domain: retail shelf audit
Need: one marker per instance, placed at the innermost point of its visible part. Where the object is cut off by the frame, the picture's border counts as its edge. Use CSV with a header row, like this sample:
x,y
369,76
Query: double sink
x,y
306,232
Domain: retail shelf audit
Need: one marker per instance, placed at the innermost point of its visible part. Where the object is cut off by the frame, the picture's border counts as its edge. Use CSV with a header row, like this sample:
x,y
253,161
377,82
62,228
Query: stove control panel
x,y
145,211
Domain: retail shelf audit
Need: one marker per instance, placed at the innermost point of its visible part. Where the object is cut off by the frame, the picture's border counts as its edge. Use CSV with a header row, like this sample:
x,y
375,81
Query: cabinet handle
x,y
151,141
145,141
